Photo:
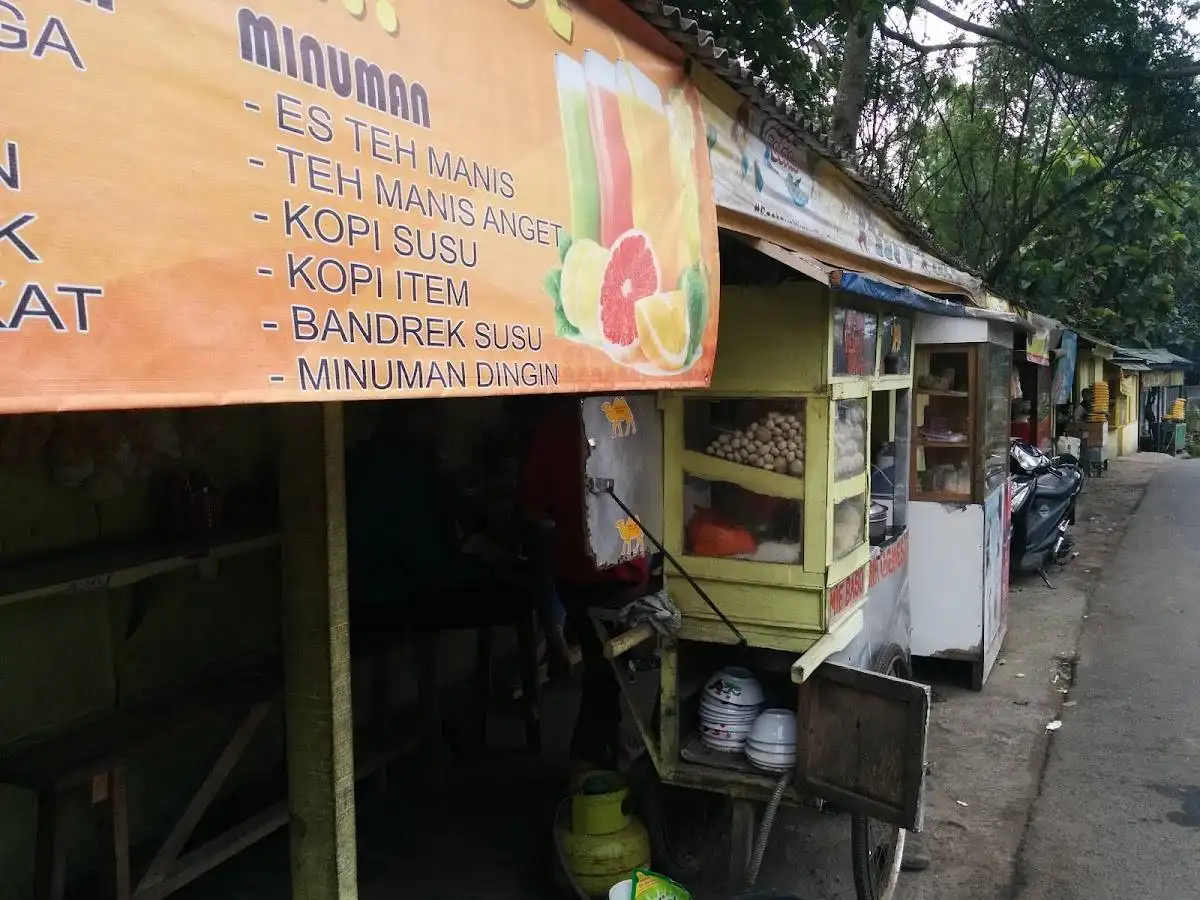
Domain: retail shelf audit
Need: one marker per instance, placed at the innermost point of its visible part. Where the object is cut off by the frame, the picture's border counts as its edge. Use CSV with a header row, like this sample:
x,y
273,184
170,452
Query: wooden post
x,y
316,654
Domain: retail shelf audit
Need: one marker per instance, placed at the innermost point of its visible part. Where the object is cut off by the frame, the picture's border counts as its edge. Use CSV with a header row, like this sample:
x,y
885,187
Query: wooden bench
x,y
91,759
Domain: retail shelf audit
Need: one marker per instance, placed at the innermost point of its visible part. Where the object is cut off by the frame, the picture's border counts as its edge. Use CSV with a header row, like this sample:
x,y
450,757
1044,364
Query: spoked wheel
x,y
877,848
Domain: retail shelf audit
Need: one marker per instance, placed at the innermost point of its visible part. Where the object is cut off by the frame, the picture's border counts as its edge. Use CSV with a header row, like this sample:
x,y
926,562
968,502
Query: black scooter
x,y
1044,493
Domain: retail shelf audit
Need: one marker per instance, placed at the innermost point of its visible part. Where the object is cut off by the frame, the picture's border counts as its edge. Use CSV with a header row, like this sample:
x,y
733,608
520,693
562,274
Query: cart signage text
x,y
286,200
847,592
890,560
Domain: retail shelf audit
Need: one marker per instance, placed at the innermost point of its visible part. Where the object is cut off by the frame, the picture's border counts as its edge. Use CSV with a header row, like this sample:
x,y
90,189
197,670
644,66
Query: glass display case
x,y
996,363
959,508
743,464
896,352
769,473
963,396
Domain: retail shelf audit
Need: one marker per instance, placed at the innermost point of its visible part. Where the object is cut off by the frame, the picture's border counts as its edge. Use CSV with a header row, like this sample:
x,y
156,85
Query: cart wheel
x,y
684,824
876,848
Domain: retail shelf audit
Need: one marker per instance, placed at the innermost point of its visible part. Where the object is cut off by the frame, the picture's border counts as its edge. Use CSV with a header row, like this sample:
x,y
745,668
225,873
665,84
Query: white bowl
x,y
622,890
723,745
735,686
767,747
729,714
775,726
725,732
771,767
782,756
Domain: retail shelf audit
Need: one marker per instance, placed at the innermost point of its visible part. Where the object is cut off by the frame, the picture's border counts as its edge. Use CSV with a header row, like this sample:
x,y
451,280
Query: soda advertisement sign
x,y
288,200
760,169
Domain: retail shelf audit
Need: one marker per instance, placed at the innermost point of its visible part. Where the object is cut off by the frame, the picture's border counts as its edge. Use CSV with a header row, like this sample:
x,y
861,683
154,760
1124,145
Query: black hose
x,y
764,831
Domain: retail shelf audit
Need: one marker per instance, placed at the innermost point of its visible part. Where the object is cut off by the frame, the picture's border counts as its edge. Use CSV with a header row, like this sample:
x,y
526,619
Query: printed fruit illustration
x,y
631,274
582,277
662,327
560,19
683,139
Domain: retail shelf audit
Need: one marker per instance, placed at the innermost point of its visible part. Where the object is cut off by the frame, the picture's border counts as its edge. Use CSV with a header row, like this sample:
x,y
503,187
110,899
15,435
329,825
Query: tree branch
x,y
925,49
1004,258
1016,42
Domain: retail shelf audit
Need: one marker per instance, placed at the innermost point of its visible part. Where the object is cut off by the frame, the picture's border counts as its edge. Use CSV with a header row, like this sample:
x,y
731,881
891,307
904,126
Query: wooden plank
x,y
861,742
752,478
112,821
316,651
241,837
741,840
854,486
204,797
220,849
76,755
50,862
120,564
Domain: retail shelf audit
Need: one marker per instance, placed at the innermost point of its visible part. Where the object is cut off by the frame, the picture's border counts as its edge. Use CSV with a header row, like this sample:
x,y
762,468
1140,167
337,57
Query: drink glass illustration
x,y
584,184
648,137
612,153
681,113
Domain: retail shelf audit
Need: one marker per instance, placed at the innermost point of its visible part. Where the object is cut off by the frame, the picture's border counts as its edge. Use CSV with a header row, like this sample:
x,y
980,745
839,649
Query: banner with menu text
x,y
287,200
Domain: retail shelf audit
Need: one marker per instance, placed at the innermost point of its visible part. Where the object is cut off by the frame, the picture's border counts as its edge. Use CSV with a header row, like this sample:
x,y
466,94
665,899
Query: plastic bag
x,y
649,885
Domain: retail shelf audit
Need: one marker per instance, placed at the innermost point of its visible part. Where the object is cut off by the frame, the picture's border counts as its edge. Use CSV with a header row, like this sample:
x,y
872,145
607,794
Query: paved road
x,y
1119,812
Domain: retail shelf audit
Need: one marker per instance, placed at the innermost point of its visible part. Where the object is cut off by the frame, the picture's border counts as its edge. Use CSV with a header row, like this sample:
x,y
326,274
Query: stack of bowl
x,y
771,743
729,705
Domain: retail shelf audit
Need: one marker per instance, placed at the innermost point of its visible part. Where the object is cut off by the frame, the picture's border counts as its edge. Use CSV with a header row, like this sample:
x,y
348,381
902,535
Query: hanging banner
x,y
1064,368
1037,347
761,170
290,200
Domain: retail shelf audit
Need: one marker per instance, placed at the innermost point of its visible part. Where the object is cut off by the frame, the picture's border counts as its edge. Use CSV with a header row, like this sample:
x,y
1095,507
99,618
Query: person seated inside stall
x,y
553,488
404,540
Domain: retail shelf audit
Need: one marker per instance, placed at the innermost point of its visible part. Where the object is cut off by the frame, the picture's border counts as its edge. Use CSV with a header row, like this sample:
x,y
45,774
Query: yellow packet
x,y
649,885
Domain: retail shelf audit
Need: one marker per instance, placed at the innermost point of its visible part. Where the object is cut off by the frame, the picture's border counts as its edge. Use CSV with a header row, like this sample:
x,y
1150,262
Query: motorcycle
x,y
1045,490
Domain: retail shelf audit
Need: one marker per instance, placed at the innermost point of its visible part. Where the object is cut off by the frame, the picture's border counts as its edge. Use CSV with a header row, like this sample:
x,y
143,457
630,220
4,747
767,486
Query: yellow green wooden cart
x,y
804,373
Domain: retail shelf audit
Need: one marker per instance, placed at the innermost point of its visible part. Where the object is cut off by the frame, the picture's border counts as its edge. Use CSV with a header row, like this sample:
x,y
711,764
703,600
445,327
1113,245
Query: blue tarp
x,y
900,295
1064,369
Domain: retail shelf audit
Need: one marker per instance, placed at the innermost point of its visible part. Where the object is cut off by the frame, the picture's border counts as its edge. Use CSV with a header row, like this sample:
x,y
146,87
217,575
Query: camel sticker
x,y
633,539
620,417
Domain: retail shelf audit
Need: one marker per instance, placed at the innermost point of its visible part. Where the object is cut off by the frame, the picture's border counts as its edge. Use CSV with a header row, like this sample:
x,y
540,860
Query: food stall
x,y
780,561
369,225
1033,417
786,525
959,499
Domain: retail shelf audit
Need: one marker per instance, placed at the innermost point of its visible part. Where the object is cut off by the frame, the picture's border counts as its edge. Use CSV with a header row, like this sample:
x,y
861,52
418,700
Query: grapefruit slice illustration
x,y
631,274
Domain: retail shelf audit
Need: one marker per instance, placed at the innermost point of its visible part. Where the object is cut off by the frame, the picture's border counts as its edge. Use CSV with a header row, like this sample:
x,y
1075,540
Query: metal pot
x,y
878,523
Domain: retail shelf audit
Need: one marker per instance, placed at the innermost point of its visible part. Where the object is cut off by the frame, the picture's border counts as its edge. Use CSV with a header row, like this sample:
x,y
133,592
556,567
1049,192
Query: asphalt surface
x,y
1118,815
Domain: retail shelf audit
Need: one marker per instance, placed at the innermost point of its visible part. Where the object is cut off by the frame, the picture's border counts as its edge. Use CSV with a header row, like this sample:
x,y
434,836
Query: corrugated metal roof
x,y
701,46
1165,358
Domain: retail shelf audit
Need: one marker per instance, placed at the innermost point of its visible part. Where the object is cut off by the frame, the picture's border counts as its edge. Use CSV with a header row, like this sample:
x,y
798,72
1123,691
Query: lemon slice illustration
x,y
582,278
662,327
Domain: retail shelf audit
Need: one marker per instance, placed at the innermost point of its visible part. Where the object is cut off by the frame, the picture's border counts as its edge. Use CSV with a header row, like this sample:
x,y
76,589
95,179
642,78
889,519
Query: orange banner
x,y
205,202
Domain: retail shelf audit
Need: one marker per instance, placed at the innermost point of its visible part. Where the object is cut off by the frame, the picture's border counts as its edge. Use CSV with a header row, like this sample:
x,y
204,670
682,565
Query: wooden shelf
x,y
930,392
114,565
850,487
927,442
752,478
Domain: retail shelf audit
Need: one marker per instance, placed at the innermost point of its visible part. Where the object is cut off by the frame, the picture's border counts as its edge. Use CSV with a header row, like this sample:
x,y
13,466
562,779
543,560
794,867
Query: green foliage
x,y
1056,157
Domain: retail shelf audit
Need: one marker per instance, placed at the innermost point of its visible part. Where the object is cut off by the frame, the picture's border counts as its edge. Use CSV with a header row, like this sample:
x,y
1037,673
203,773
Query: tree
x,y
1016,162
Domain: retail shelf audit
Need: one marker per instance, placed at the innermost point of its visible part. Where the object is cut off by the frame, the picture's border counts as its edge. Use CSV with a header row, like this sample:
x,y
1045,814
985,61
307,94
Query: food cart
x,y
780,561
960,502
